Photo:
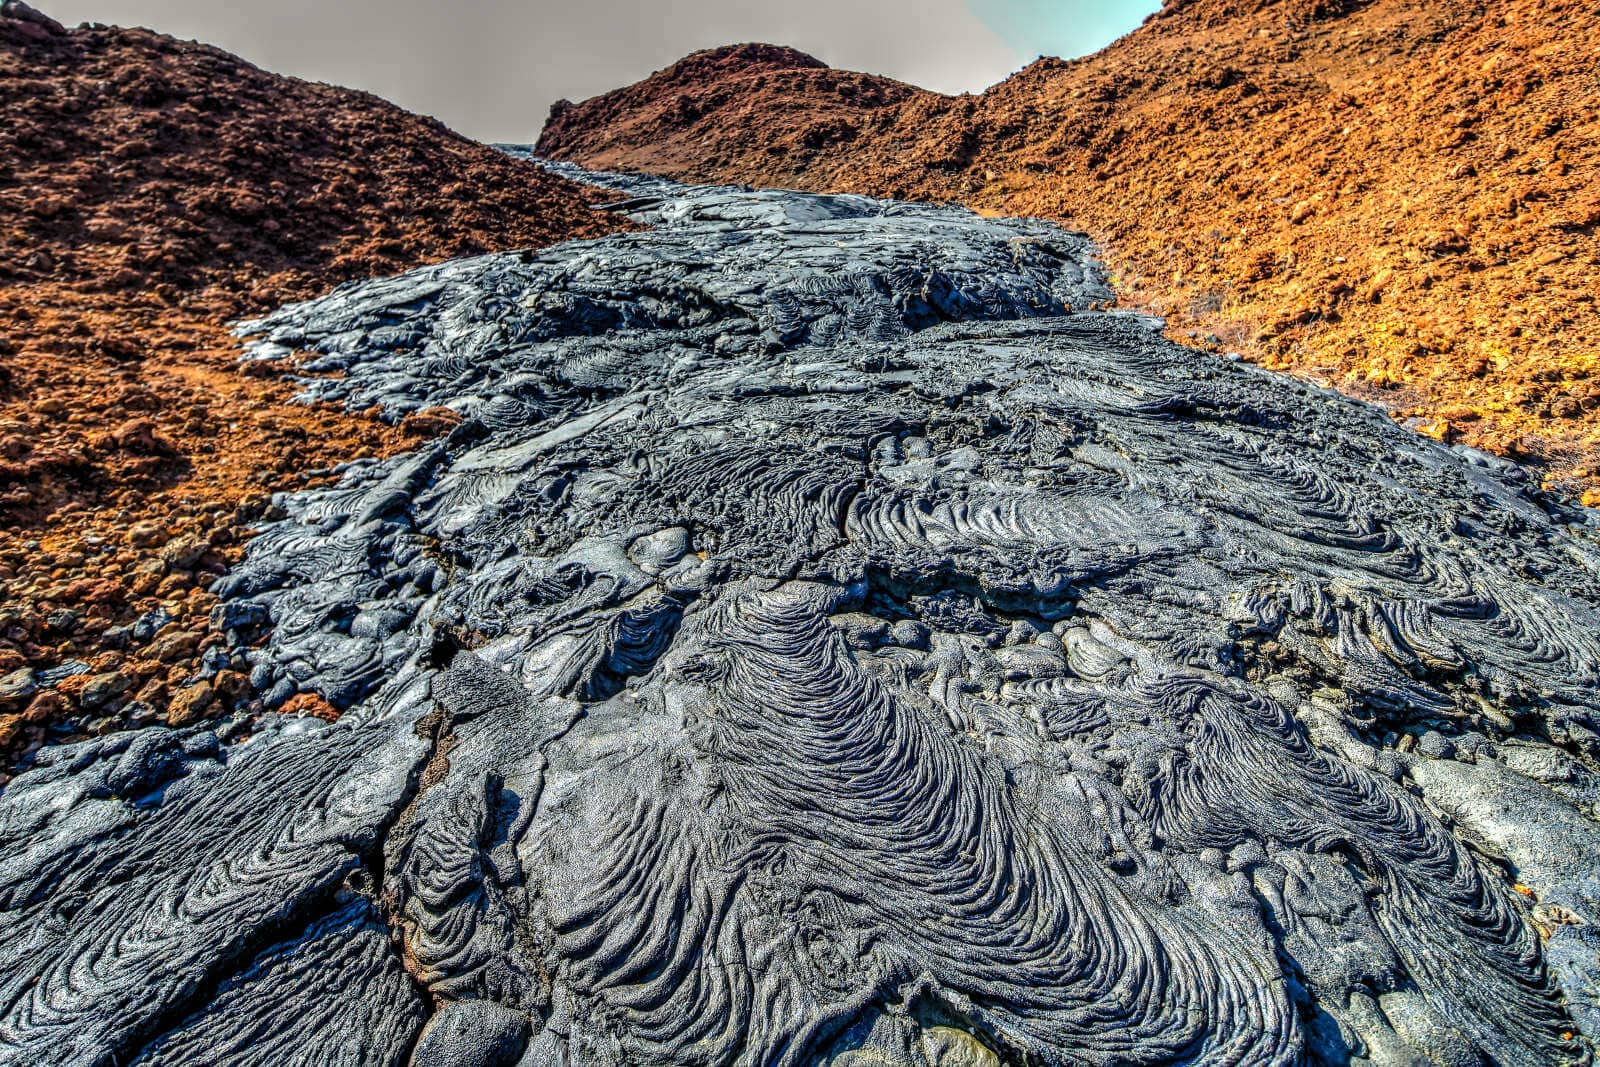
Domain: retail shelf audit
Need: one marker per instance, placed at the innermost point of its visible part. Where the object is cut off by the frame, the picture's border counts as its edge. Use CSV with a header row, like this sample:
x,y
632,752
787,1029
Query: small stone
x,y
173,646
44,707
101,689
137,713
17,687
188,705
92,590
174,584
10,730
140,437
1435,745
154,693
62,672
183,552
231,686
105,661
1470,746
146,534
150,623
62,620
309,704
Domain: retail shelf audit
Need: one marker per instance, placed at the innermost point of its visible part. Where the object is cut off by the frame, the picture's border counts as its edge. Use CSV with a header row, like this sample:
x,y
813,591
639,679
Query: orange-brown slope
x,y
151,190
677,120
1399,196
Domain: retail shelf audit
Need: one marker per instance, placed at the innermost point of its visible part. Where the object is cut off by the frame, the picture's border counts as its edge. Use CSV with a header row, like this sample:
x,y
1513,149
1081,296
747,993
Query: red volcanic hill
x,y
675,121
1398,197
150,190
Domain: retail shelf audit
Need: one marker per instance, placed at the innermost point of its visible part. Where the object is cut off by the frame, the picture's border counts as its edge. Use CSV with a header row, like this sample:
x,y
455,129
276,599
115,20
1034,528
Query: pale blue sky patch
x,y
1065,28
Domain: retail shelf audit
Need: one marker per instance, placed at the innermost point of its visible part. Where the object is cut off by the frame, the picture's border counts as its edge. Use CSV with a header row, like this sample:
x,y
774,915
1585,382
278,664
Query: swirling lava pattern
x,y
829,638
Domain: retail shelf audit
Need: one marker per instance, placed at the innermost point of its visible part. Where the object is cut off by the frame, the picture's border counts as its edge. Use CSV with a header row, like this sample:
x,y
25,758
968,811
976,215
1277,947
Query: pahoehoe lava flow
x,y
830,637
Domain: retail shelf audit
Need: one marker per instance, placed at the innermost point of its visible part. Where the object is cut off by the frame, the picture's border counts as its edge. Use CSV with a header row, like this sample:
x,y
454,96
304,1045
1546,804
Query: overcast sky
x,y
491,68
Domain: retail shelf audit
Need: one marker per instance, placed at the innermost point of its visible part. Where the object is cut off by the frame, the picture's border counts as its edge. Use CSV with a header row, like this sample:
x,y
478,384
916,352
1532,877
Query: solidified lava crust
x,y
828,637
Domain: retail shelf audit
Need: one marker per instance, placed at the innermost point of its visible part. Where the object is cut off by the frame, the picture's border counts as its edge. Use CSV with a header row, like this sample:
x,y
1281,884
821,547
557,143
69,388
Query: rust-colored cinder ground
x,y
150,191
1398,198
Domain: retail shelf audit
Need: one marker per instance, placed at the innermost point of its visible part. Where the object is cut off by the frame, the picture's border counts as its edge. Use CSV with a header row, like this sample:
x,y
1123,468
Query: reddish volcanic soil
x,y
150,191
1397,197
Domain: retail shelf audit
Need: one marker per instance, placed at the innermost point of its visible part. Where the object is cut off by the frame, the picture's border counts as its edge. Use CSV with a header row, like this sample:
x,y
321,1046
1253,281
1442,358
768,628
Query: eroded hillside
x,y
151,190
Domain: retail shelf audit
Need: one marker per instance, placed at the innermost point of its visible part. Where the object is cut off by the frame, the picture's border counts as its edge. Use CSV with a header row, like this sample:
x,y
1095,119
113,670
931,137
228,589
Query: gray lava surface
x,y
829,639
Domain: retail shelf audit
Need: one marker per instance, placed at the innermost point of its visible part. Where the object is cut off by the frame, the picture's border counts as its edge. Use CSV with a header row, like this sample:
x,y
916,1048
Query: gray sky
x,y
491,68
